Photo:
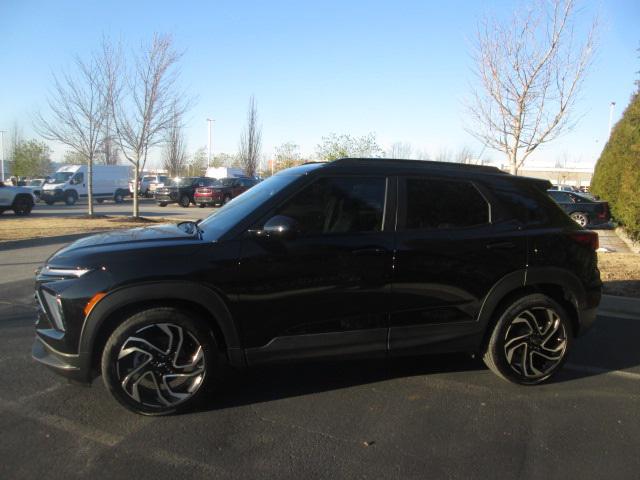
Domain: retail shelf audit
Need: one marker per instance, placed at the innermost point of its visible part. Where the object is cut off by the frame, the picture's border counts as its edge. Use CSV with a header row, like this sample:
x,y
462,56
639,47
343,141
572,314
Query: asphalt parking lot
x,y
430,417
148,208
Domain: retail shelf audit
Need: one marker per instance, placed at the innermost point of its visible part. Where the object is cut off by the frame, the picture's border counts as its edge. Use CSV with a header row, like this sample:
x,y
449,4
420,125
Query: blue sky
x,y
399,69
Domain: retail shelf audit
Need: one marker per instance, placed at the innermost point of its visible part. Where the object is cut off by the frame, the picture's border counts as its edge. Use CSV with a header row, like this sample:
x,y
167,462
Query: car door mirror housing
x,y
281,226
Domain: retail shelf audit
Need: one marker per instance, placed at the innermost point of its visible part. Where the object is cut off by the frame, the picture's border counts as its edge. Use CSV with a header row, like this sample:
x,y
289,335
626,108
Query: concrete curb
x,y
613,305
633,246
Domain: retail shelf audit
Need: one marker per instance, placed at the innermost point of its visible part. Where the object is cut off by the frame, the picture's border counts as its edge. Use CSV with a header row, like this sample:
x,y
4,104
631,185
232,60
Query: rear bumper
x,y
587,315
207,200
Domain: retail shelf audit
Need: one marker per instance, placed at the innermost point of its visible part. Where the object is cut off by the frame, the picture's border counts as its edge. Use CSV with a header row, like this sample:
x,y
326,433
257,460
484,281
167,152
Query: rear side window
x,y
521,201
440,204
561,196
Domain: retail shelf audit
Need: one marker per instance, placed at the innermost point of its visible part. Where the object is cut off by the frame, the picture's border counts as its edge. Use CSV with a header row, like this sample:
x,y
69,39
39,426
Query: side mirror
x,y
281,226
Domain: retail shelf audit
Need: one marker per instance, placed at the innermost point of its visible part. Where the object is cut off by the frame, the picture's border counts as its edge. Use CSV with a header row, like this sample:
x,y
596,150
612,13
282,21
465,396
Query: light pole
x,y
209,150
611,107
2,153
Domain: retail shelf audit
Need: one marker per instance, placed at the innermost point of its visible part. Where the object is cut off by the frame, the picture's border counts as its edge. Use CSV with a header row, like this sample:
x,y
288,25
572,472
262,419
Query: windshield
x,y
61,177
219,222
35,183
176,182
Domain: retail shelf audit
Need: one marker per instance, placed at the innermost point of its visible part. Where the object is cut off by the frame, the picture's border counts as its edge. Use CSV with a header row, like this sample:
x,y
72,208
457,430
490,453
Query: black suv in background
x,y
180,190
342,259
583,209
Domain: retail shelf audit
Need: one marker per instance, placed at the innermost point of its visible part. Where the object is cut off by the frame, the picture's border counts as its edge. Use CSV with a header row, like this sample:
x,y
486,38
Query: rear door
x,y
450,251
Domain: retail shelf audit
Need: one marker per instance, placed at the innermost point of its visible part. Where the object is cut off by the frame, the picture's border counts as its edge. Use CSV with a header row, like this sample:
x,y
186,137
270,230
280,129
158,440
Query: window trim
x,y
388,217
402,203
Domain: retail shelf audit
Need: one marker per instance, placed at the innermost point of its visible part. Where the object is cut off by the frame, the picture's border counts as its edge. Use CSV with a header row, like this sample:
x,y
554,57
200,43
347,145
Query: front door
x,y
326,291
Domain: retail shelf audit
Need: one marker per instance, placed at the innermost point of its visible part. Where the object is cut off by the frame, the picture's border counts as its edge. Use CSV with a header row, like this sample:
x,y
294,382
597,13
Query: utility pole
x,y
2,132
209,150
611,107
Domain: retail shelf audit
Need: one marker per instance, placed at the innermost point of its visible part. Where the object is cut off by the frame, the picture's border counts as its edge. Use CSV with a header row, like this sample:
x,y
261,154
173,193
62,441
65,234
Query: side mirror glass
x,y
281,226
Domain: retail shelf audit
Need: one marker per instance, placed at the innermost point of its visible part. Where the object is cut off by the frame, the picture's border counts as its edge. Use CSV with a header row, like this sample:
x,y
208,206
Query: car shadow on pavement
x,y
609,347
274,382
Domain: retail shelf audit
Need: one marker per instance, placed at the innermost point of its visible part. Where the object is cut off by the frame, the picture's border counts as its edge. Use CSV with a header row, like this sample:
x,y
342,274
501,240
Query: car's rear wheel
x,y
580,218
201,205
49,202
162,204
118,197
531,340
184,201
159,361
22,205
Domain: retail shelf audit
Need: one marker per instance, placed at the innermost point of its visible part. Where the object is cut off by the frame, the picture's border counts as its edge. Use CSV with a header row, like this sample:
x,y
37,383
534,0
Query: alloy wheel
x,y
535,343
161,365
580,218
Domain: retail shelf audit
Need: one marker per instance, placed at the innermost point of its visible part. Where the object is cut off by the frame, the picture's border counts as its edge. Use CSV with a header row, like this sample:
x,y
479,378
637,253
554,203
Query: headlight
x,y
64,272
55,308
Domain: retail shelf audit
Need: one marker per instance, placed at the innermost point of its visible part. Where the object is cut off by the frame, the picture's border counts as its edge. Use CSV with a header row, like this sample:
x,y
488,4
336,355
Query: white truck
x,y
18,199
224,172
69,183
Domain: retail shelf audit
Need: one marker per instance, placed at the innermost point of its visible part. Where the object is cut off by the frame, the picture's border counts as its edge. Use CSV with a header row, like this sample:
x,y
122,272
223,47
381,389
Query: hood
x,y
52,186
166,235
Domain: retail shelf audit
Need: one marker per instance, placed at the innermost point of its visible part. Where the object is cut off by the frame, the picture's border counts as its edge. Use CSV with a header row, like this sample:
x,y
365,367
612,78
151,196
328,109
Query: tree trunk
x,y
90,184
136,176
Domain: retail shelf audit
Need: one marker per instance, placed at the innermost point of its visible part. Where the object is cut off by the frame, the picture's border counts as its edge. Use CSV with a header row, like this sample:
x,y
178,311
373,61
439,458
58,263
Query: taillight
x,y
604,211
586,238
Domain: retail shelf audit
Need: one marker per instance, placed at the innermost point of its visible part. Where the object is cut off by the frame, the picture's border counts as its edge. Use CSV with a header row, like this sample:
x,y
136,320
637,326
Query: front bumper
x,y
69,366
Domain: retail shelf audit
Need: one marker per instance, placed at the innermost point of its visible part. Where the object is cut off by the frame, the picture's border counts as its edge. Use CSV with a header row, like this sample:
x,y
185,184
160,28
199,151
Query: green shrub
x,y
616,178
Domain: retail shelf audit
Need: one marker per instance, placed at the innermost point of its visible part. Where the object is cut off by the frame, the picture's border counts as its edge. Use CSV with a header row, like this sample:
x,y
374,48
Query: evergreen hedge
x,y
616,178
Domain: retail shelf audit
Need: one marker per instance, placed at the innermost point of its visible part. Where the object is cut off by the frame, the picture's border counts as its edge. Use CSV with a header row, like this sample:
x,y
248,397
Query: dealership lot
x,y
442,416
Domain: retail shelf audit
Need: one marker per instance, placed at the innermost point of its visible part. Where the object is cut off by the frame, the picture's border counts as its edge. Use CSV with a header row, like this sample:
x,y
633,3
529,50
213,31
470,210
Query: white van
x,y
69,184
224,172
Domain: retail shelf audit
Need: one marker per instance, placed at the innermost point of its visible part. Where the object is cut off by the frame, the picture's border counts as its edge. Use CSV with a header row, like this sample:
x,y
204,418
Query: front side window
x,y
338,205
440,204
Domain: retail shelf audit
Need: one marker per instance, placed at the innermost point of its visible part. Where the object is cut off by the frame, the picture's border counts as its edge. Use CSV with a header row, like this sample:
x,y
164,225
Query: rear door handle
x,y
368,251
501,245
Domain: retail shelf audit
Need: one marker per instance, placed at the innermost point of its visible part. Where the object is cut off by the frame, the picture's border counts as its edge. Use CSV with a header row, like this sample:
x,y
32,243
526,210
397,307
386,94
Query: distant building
x,y
576,177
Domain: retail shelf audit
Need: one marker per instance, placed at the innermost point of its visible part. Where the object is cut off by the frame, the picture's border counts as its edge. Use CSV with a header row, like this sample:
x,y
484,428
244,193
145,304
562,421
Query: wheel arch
x,y
120,304
558,284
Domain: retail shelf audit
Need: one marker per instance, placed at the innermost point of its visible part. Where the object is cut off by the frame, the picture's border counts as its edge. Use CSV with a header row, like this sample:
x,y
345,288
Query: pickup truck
x,y
18,199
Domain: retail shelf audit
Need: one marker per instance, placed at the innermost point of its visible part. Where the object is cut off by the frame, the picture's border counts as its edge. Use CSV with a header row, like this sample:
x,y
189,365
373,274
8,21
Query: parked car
x,y
342,259
563,188
583,209
223,190
149,183
69,184
35,185
18,199
180,190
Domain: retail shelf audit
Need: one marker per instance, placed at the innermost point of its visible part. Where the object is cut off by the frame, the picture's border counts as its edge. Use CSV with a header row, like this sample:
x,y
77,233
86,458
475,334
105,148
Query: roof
x,y
404,163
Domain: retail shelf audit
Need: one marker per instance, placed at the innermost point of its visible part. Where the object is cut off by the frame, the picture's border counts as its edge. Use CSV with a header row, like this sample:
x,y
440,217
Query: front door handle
x,y
501,245
368,251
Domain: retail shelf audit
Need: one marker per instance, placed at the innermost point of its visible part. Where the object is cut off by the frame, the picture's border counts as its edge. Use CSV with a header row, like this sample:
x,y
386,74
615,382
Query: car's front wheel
x,y
184,201
530,341
159,361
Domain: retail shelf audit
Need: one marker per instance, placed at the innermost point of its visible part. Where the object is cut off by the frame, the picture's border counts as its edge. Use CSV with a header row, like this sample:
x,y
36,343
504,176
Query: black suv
x,y
342,259
180,190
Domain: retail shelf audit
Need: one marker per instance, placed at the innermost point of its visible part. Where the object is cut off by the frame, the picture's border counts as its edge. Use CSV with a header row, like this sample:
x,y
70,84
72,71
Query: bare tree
x,y
109,154
144,99
530,72
399,150
175,150
78,111
251,140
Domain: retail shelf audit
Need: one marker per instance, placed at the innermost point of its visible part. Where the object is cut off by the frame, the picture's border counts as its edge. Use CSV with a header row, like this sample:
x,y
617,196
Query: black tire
x,y
162,204
49,202
22,205
184,201
70,198
154,396
226,200
517,356
99,200
202,205
580,218
118,197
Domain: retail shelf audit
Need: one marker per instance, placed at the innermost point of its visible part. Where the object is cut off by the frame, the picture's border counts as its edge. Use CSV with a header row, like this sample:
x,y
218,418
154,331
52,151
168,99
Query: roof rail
x,y
418,163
